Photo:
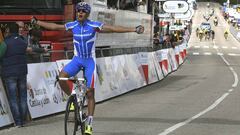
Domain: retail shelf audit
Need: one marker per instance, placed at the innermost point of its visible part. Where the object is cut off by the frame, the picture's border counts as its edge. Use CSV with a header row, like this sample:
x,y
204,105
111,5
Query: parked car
x,y
205,26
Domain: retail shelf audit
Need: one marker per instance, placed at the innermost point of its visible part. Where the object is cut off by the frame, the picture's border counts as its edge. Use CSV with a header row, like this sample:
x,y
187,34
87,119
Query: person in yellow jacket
x,y
226,32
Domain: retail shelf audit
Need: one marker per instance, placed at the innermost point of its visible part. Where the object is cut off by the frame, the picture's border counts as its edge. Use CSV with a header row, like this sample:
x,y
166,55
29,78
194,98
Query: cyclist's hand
x,y
34,20
139,29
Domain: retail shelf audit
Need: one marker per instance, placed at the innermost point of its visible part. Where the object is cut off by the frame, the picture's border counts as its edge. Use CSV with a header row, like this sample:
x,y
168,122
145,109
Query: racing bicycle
x,y
75,114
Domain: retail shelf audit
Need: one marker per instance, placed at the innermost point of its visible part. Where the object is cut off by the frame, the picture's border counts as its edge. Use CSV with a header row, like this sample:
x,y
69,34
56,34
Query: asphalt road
x,y
201,98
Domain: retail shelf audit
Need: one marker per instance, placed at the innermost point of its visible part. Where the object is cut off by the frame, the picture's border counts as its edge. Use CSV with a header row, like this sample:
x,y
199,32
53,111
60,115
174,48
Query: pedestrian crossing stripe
x,y
216,47
220,54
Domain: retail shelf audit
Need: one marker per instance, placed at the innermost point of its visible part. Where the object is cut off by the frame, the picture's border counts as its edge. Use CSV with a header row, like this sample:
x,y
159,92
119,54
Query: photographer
x,y
35,48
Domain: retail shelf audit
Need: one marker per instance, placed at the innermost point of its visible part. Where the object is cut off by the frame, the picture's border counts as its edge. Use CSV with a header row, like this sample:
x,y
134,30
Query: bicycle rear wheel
x,y
71,121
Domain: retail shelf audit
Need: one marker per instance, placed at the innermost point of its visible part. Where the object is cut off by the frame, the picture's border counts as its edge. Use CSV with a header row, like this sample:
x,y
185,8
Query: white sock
x,y
90,120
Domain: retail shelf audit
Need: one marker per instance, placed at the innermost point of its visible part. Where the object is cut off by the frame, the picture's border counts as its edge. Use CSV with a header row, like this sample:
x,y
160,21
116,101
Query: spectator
x,y
35,48
175,36
167,42
141,6
22,30
156,39
14,73
32,39
186,34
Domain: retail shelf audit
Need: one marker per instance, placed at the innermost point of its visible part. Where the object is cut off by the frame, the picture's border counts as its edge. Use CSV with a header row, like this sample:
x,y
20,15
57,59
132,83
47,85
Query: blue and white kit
x,y
84,37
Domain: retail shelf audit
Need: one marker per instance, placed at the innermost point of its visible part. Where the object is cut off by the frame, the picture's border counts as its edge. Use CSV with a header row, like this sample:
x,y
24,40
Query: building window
x,y
128,5
112,4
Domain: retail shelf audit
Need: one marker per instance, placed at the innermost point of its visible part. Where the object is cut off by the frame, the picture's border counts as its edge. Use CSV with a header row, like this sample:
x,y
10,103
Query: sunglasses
x,y
82,10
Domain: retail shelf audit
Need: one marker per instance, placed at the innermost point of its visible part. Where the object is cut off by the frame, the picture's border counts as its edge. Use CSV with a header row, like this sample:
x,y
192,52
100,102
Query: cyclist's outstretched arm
x,y
47,25
120,29
51,26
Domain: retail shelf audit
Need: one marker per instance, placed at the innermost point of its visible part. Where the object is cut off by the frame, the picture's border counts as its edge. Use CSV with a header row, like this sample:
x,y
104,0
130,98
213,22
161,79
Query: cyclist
x,y
201,34
212,34
197,32
84,36
215,21
208,5
208,34
226,34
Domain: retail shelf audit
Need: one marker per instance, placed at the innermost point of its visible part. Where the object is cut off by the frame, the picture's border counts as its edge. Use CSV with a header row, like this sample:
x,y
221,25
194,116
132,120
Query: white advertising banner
x,y
44,97
153,76
111,73
61,64
157,61
136,79
181,51
116,75
120,74
172,59
143,60
5,112
185,49
164,63
177,53
136,58
103,90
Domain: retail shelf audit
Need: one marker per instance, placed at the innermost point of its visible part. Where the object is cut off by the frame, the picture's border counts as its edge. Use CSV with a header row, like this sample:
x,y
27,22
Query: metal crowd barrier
x,y
54,55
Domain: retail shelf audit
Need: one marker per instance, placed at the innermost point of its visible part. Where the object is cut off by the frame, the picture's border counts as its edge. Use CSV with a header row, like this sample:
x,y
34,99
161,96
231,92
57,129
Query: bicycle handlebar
x,y
71,79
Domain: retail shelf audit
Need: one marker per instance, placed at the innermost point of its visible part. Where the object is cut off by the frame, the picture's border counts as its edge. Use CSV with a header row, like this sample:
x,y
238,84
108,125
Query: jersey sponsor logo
x,y
85,30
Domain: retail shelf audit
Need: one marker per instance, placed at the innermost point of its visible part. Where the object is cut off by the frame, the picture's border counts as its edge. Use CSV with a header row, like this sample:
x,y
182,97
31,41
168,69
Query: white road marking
x,y
235,48
235,77
215,47
224,47
205,46
234,54
225,60
195,53
230,90
196,46
231,54
220,54
215,104
207,53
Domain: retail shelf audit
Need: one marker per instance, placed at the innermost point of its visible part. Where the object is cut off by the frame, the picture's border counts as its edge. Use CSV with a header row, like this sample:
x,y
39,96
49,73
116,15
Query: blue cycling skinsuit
x,y
84,37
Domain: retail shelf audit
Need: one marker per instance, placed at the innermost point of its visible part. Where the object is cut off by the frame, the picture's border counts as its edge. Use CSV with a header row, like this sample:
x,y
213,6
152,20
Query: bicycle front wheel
x,y
71,121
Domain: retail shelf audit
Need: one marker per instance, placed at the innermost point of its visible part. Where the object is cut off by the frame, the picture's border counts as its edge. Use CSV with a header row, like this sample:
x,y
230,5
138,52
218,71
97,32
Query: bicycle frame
x,y
79,90
78,95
